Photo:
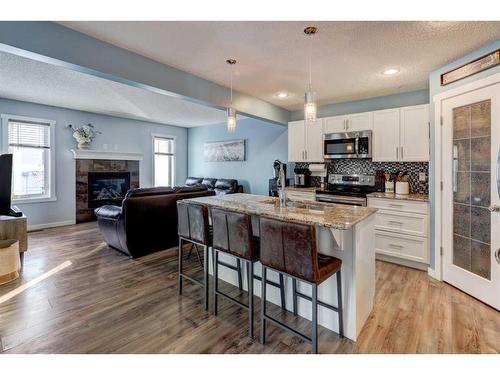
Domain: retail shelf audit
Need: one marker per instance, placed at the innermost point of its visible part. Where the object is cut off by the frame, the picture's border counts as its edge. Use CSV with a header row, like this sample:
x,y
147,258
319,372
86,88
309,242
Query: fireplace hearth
x,y
107,188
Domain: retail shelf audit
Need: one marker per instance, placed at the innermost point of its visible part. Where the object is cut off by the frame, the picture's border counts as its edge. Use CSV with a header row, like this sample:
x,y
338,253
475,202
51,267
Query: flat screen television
x,y
6,186
5,183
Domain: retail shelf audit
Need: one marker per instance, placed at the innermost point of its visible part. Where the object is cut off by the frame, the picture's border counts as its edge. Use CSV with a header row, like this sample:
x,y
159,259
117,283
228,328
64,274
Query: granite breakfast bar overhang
x,y
346,232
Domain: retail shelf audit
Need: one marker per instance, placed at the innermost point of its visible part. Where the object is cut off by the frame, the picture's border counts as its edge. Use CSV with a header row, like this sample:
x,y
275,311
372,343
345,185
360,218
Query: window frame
x,y
153,153
4,147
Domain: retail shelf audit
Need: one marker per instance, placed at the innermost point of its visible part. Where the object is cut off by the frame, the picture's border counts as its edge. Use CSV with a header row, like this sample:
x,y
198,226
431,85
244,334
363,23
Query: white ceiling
x,y
33,81
348,57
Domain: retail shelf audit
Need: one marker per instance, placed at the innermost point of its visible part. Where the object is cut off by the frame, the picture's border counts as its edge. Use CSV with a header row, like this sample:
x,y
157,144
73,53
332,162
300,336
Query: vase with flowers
x,y
84,135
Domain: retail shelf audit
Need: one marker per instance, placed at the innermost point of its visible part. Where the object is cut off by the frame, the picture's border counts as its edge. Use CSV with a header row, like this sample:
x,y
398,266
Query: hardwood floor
x,y
103,302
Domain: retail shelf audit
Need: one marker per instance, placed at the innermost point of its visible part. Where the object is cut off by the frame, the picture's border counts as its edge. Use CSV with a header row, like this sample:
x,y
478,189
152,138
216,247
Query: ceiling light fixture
x,y
231,112
282,95
310,107
390,72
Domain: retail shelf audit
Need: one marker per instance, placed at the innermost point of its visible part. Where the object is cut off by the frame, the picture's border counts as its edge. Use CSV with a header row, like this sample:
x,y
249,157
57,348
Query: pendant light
x,y
310,106
231,112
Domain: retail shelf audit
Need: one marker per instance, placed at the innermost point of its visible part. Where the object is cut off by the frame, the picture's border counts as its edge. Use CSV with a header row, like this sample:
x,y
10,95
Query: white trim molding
x,y
437,99
105,155
34,227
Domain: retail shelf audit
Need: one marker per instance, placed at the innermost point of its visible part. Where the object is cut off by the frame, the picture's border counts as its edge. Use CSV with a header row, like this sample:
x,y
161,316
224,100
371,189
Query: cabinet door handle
x,y
402,157
397,153
396,246
396,222
346,124
306,153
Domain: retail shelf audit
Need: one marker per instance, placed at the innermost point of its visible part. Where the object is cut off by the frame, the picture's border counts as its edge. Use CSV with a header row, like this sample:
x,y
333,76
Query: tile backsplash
x,y
364,166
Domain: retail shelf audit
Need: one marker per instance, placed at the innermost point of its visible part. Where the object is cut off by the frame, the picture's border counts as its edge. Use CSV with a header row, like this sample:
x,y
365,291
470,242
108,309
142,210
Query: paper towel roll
x,y
318,170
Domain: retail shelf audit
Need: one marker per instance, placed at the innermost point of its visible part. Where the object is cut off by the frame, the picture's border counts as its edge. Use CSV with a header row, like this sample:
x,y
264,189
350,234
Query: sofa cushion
x,y
191,181
209,183
226,186
109,212
143,192
189,189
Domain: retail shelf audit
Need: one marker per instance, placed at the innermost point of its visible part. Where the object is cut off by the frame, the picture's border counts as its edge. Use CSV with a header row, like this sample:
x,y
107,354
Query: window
x,y
163,160
30,142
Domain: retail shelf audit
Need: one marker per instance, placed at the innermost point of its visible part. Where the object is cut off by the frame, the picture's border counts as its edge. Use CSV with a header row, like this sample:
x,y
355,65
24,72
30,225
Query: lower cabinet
x,y
402,231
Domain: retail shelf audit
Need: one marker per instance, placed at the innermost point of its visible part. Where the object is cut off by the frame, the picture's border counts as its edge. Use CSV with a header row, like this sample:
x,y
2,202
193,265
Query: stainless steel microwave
x,y
348,145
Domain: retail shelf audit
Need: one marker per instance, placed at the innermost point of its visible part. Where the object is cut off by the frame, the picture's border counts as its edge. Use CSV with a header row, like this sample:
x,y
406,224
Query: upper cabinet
x,y
414,133
385,143
401,134
305,141
348,123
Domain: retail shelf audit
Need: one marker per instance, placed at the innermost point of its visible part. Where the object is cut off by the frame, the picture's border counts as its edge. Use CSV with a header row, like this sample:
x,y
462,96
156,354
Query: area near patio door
x,y
471,200
471,188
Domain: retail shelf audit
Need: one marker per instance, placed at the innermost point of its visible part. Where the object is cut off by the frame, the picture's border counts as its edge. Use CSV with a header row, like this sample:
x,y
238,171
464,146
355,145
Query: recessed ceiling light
x,y
282,95
390,72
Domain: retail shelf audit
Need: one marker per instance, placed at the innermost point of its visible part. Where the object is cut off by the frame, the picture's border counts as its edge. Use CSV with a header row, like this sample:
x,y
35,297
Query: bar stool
x,y
290,248
233,235
193,227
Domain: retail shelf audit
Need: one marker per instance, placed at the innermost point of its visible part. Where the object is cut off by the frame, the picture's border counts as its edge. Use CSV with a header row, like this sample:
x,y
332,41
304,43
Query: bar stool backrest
x,y
233,233
289,247
193,222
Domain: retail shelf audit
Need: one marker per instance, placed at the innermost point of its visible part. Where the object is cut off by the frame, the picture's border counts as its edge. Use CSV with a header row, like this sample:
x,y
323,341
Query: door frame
x,y
437,198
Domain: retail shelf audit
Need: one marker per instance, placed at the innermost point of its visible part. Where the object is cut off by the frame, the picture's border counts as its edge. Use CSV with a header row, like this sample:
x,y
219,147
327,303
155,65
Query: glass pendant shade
x,y
310,107
231,120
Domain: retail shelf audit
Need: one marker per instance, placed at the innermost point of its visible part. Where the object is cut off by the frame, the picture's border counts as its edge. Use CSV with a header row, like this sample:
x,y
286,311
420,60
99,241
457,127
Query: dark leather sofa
x,y
220,186
147,220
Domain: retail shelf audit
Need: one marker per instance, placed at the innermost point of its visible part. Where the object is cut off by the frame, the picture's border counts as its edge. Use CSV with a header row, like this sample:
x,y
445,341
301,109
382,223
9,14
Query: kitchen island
x,y
345,232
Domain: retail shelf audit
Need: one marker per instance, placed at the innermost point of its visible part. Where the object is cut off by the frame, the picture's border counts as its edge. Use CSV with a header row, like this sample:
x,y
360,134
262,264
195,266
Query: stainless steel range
x,y
347,189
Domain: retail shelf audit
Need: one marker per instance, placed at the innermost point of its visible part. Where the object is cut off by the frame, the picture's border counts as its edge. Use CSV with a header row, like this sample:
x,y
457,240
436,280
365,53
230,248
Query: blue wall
x,y
128,135
265,142
371,104
434,89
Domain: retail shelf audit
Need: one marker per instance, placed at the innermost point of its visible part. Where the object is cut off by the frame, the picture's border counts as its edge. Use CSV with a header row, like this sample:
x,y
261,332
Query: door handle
x,y
455,168
494,208
497,256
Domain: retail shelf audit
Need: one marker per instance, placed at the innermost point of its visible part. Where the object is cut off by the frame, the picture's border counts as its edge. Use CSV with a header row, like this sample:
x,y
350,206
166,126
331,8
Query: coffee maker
x,y
302,177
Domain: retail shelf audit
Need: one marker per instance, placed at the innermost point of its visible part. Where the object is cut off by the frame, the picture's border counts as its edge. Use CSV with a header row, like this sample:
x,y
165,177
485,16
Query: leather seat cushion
x,y
109,212
190,181
143,192
209,183
226,186
327,266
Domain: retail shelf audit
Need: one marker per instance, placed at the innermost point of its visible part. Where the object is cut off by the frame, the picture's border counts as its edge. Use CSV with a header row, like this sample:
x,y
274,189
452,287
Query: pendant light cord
x,y
231,79
310,63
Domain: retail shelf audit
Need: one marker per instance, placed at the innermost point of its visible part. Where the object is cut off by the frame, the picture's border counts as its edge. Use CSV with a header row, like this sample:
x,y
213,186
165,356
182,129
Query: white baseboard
x,y
401,261
432,273
50,225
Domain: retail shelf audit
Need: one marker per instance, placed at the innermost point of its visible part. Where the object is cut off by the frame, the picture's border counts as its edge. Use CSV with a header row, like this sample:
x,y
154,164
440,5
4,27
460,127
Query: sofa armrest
x,y
109,212
240,189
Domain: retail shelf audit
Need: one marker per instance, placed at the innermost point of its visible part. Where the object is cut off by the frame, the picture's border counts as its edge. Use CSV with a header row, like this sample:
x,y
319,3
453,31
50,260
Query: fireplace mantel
x,y
105,155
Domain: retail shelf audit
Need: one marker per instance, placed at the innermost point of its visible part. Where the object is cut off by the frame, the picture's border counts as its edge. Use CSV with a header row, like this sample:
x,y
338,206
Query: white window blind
x,y
29,134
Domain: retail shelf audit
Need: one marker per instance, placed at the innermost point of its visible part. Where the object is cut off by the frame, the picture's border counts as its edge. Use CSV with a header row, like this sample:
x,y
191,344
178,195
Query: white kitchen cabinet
x,y
414,133
296,141
335,124
360,121
402,231
385,143
305,141
349,123
401,134
314,141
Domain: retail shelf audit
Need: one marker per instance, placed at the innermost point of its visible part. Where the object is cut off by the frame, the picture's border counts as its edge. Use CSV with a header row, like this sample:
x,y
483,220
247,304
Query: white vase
x,y
83,146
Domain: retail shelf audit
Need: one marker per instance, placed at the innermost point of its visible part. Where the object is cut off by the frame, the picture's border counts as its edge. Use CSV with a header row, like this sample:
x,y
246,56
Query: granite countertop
x,y
304,189
406,197
335,216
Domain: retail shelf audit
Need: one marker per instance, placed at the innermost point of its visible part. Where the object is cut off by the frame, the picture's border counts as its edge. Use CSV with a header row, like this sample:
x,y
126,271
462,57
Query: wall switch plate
x,y
422,176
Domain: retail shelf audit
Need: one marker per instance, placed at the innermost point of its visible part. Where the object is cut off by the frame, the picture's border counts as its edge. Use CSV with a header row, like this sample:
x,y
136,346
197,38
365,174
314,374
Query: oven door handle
x,y
356,145
340,199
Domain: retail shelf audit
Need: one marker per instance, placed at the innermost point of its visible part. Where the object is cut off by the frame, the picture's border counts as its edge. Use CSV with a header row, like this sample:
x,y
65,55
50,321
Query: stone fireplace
x,y
102,177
